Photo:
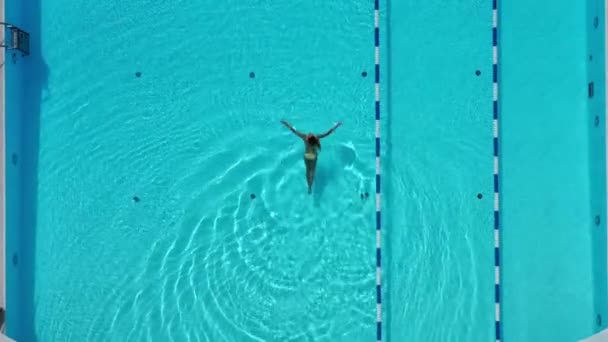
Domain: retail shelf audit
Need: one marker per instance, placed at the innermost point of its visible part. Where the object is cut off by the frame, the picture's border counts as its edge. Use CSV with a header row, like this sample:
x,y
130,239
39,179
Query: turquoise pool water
x,y
557,268
441,234
163,201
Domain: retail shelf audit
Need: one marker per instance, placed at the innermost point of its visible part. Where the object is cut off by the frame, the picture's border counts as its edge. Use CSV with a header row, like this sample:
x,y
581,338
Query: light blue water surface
x,y
441,272
196,258
554,253
193,138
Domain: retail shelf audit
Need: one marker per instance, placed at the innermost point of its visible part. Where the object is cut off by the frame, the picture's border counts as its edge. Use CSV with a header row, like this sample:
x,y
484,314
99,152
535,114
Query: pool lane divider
x,y
497,321
378,182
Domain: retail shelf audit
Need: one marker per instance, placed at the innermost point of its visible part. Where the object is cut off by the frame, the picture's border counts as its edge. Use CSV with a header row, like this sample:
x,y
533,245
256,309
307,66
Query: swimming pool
x,y
152,193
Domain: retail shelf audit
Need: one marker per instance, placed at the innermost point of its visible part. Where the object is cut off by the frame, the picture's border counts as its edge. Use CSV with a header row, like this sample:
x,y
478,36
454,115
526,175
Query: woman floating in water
x,y
312,143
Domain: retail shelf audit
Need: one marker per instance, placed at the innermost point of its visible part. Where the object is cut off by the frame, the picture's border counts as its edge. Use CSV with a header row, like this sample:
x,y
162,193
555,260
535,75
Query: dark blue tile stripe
x,y
378,179
377,36
495,78
497,330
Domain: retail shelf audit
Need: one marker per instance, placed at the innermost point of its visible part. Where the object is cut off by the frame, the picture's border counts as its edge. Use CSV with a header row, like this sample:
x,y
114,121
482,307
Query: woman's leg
x,y
310,173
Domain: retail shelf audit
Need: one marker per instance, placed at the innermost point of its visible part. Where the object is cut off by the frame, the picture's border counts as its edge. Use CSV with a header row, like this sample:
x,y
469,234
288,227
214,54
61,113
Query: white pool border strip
x,y
497,323
378,183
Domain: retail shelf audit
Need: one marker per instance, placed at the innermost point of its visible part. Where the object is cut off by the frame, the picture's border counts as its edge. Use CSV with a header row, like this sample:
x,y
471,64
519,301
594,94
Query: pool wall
x,y
21,120
14,83
596,110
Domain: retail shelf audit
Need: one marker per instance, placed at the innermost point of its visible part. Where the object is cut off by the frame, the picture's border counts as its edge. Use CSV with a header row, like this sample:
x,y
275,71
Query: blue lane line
x,y
378,178
497,321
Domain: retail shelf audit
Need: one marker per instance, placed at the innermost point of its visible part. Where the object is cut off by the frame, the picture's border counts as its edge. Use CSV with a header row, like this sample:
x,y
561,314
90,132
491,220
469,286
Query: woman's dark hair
x,y
314,141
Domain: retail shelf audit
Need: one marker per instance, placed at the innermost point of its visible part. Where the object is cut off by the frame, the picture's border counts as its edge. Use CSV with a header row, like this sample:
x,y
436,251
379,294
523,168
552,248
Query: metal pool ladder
x,y
15,39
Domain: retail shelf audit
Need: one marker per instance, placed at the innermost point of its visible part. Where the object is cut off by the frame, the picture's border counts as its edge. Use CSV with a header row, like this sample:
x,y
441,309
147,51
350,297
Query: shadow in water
x,y
35,78
339,157
323,176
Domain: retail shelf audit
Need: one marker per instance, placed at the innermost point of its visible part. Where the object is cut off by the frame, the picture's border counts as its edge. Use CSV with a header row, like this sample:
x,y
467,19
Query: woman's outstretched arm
x,y
330,131
300,134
